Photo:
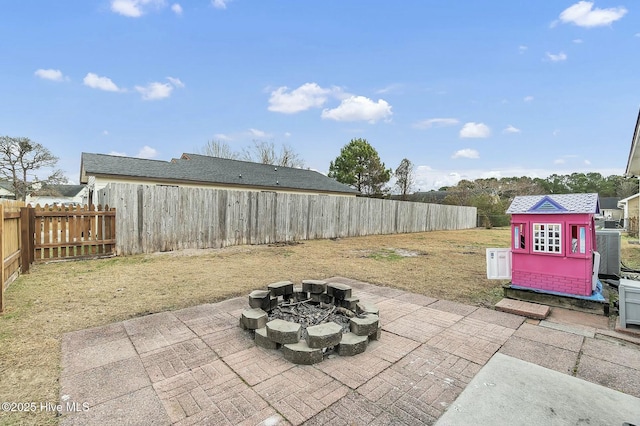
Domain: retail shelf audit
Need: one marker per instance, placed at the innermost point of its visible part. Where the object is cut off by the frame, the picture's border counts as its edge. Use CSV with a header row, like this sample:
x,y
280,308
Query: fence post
x,y
26,243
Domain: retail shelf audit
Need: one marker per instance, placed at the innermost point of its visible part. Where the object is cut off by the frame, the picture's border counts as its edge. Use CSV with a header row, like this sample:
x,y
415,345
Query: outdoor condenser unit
x,y
608,245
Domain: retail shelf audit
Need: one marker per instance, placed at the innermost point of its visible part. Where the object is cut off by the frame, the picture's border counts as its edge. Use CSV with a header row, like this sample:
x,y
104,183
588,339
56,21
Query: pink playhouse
x,y
553,243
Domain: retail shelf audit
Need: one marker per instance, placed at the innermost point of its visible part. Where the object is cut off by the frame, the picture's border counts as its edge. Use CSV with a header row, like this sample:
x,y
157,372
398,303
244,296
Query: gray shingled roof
x,y
196,168
572,203
61,190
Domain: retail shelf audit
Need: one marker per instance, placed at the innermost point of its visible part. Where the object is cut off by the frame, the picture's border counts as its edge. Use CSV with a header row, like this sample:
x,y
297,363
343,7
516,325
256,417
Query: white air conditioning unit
x,y
608,245
499,263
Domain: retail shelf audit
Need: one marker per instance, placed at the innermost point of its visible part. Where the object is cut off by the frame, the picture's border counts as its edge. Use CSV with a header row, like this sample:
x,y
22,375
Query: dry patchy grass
x,y
60,297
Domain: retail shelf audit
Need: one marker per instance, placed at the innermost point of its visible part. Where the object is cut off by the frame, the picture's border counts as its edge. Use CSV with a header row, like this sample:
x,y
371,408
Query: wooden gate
x,y
62,232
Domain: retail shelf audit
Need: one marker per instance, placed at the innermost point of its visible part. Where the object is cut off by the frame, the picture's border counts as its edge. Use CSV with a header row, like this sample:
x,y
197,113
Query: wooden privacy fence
x,y
62,232
47,233
161,218
10,244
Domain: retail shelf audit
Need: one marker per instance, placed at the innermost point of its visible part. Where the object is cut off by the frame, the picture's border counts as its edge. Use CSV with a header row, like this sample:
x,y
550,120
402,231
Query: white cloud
x,y
147,152
135,8
392,88
176,82
587,162
559,161
118,154
222,137
359,108
50,74
287,134
155,91
220,4
557,58
259,133
475,130
511,129
583,14
528,98
436,122
466,153
101,83
309,95
522,49
176,8
578,41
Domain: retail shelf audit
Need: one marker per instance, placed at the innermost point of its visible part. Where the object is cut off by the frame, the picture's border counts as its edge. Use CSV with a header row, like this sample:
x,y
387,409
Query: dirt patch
x,y
60,297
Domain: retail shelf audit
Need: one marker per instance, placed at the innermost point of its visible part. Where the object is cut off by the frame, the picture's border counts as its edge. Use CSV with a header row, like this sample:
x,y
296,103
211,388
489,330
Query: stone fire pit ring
x,y
311,321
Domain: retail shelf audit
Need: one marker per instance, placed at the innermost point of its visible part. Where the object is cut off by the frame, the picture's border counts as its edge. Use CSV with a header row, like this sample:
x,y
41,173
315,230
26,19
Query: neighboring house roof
x,y
6,185
59,190
609,203
555,204
194,168
633,163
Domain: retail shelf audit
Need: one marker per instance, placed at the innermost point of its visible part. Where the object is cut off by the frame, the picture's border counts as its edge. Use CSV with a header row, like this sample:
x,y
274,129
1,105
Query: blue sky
x,y
463,89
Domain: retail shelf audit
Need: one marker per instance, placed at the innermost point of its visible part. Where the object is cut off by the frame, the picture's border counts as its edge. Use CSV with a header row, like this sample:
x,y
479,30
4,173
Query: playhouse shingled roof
x,y
555,204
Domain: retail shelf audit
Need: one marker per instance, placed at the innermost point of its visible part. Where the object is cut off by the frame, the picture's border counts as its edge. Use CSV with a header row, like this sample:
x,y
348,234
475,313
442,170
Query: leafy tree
x,y
359,165
404,178
21,158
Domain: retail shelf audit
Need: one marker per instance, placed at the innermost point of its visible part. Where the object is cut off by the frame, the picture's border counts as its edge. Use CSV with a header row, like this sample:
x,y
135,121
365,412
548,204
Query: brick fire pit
x,y
310,321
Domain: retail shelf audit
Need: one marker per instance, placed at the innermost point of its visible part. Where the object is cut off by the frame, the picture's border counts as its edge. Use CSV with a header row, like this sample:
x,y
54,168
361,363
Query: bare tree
x,y
404,178
20,158
221,149
265,152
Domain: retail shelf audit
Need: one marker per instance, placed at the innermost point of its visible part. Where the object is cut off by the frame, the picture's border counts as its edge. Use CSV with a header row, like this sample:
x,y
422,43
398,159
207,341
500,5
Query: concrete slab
x,y
526,309
503,319
206,370
574,329
509,391
140,407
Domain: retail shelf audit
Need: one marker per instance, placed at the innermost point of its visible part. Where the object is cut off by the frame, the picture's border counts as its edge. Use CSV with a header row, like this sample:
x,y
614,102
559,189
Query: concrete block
x,y
260,299
254,318
352,344
367,308
281,288
339,291
301,353
317,298
283,332
300,295
324,335
526,309
364,326
350,303
263,340
314,286
377,334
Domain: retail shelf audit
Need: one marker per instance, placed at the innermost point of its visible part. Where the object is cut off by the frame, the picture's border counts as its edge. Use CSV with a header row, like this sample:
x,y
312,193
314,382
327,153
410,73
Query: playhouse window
x,y
578,239
547,238
519,240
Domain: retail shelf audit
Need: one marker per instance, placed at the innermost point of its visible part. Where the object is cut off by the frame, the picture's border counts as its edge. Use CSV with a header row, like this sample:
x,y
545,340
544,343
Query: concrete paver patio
x,y
197,366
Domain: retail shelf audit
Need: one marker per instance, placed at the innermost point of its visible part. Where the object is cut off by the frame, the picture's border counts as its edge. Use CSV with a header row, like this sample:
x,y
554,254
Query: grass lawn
x,y
57,298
